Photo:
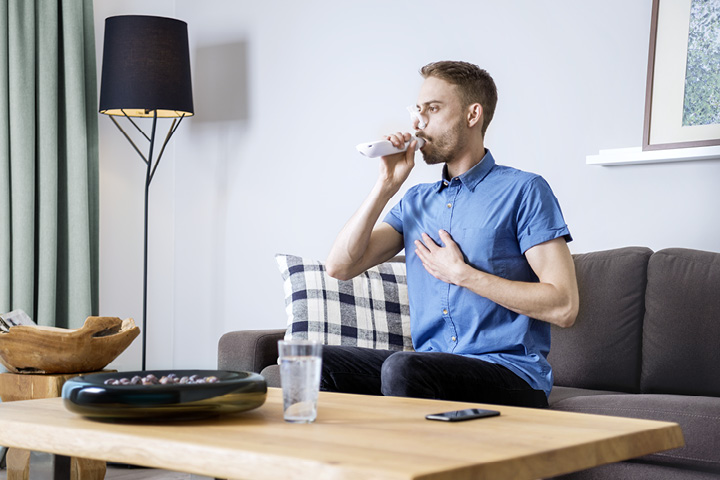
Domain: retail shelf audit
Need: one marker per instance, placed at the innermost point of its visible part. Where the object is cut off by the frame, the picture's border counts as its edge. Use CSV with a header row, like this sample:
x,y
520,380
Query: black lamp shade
x,y
146,67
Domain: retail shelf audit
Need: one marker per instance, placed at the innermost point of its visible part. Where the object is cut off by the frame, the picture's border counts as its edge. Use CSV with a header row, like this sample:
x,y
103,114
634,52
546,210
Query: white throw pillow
x,y
370,311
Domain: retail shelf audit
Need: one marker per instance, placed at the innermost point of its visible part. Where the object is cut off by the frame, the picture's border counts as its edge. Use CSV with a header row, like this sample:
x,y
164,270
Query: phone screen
x,y
460,415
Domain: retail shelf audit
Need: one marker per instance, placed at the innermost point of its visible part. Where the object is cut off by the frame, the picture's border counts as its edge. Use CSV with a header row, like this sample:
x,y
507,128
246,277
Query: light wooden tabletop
x,y
354,437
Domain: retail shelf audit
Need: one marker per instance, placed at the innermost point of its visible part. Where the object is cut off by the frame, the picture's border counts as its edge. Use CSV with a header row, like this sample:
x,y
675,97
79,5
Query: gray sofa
x,y
646,344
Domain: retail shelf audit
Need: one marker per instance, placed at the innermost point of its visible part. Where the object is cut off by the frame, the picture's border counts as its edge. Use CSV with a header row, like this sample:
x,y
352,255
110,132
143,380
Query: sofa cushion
x,y
371,310
681,351
602,350
637,470
559,394
249,350
271,374
698,417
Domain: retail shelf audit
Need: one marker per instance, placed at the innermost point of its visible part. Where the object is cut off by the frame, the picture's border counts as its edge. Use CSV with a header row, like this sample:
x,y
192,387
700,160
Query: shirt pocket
x,y
489,249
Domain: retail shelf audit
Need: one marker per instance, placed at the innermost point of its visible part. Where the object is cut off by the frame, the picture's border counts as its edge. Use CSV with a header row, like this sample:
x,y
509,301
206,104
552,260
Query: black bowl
x,y
89,396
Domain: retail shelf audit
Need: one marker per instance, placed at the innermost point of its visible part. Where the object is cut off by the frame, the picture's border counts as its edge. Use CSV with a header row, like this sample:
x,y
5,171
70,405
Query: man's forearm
x,y
361,244
542,301
349,252
353,239
553,299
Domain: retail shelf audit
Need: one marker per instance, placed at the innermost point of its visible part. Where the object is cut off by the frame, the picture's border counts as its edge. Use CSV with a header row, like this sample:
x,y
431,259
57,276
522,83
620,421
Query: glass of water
x,y
300,362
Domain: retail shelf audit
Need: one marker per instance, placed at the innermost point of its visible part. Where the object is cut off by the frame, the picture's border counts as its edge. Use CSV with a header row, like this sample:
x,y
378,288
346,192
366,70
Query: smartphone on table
x,y
460,415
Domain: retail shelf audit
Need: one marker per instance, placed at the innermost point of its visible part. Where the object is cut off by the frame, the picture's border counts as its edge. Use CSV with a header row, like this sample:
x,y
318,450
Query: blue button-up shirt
x,y
494,213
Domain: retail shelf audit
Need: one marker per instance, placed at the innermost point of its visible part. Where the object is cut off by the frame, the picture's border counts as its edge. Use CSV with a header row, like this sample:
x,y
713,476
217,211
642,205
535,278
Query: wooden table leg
x,y
18,464
86,469
15,387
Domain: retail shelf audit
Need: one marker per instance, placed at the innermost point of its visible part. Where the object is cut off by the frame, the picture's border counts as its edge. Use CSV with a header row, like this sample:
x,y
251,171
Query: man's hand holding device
x,y
382,148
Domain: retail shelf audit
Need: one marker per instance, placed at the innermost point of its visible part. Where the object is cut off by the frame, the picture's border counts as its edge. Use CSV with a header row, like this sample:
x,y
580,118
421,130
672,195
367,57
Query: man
x,y
487,261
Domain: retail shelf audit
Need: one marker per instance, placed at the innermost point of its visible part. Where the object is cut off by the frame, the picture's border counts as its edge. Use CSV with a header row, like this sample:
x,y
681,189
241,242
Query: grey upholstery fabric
x,y
559,394
249,350
699,418
602,350
681,344
633,470
271,374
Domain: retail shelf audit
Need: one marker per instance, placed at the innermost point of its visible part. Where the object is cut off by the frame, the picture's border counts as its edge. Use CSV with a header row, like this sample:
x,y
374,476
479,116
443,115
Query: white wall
x,y
285,89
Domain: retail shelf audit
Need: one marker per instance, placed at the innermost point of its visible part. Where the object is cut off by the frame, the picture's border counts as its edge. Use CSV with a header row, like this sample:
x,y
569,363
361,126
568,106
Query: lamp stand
x,y
150,173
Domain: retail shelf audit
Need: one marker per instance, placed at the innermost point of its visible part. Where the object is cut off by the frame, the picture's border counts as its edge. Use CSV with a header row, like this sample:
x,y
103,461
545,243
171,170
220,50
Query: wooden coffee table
x,y
355,437
14,387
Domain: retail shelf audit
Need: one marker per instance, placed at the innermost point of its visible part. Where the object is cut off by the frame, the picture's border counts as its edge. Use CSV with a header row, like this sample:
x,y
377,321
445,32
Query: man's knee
x,y
402,376
352,369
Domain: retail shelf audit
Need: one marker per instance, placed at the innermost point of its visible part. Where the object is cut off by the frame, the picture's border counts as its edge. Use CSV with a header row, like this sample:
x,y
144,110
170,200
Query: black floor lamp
x,y
146,74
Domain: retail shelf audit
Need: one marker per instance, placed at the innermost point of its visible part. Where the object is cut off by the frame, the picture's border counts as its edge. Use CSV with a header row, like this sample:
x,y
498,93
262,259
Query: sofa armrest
x,y
249,350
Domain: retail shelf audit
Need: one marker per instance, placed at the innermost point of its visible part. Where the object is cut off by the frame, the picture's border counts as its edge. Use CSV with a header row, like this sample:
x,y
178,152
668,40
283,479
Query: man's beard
x,y
445,147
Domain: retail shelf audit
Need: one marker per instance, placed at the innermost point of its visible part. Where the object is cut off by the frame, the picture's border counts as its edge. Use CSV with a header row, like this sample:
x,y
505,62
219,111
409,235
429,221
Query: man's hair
x,y
475,84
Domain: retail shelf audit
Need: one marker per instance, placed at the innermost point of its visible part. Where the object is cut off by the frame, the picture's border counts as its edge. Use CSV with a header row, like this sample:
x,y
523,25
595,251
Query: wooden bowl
x,y
38,349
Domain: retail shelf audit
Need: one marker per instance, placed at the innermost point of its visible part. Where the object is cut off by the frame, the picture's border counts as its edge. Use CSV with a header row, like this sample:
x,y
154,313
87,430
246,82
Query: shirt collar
x,y
472,177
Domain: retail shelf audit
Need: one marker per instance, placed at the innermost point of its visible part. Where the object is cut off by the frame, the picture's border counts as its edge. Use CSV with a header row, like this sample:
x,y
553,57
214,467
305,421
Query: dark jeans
x,y
435,375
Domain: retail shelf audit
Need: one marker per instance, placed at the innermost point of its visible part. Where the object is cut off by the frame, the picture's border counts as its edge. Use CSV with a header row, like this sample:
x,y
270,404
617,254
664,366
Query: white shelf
x,y
635,155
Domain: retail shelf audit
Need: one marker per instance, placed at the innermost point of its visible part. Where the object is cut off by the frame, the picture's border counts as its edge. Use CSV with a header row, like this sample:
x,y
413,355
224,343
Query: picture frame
x,y
674,97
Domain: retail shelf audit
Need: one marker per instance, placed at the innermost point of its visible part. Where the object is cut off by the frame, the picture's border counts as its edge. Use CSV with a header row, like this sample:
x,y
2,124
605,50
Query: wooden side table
x,y
13,387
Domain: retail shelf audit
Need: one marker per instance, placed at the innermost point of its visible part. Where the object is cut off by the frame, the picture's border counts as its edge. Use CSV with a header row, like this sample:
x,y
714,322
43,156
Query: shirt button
x,y
449,205
453,339
444,311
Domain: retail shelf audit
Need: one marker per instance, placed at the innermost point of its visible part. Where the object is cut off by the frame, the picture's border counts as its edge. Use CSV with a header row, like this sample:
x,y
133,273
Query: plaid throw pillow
x,y
371,310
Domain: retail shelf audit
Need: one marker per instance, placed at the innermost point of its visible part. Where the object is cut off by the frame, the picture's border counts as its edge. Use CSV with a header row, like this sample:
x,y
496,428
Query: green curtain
x,y
48,161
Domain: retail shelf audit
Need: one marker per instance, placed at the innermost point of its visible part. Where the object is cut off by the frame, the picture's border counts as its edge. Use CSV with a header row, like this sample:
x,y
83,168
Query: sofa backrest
x,y
681,340
602,350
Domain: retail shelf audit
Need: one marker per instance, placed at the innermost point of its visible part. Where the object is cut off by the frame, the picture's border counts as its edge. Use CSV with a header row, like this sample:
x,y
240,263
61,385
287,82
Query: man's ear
x,y
474,115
